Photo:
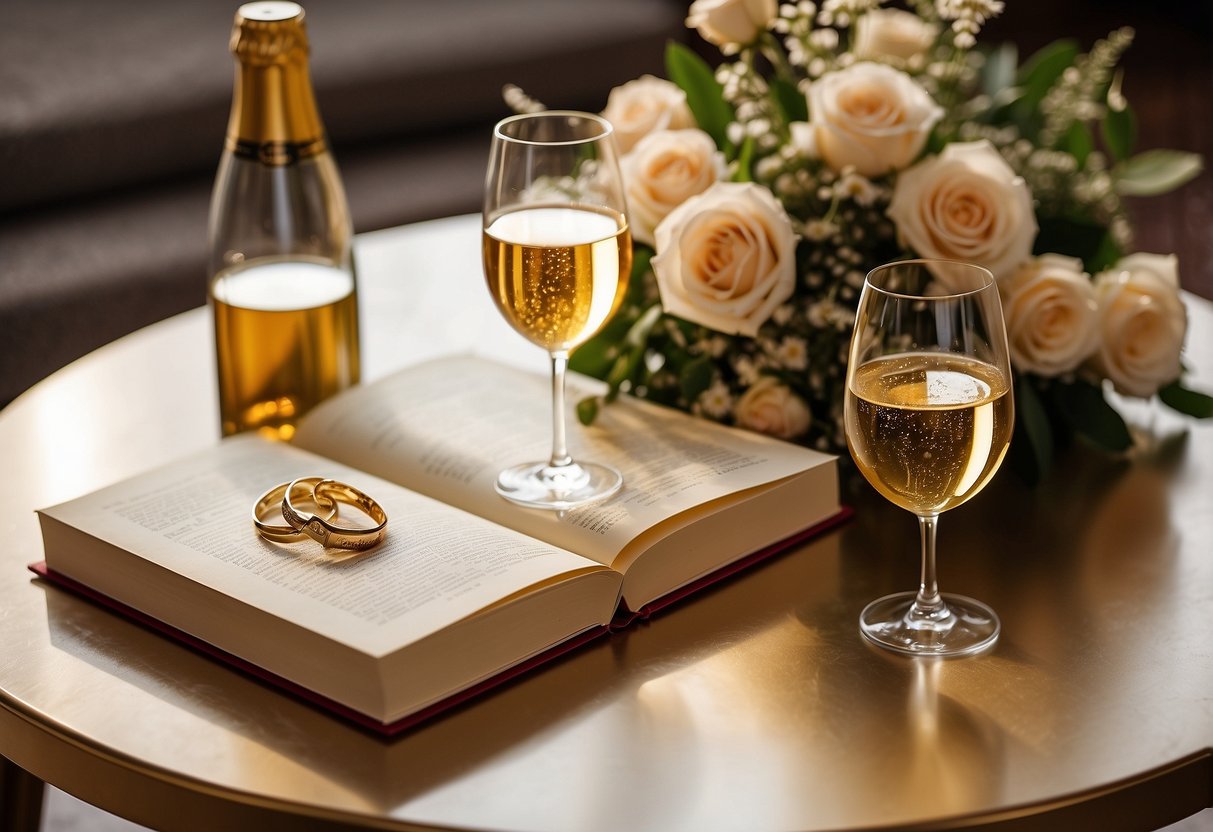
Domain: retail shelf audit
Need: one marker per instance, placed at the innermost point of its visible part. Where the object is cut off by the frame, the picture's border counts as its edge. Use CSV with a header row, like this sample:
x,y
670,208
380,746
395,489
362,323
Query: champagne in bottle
x,y
282,278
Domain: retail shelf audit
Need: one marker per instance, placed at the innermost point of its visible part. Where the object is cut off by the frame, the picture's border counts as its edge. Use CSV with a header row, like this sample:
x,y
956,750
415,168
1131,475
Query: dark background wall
x,y
1169,83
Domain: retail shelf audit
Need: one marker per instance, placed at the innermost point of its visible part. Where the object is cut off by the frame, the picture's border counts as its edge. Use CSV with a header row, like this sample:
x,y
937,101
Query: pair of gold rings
x,y
324,495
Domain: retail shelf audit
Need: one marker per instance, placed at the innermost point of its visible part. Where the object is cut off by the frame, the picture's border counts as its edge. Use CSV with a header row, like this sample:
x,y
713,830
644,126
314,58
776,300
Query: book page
x,y
446,427
436,565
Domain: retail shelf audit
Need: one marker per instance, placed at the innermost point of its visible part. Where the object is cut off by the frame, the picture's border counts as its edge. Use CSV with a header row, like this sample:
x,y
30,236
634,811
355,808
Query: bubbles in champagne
x,y
928,430
557,273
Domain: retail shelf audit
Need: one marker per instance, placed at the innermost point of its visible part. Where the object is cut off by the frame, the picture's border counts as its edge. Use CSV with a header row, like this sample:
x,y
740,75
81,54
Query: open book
x,y
466,586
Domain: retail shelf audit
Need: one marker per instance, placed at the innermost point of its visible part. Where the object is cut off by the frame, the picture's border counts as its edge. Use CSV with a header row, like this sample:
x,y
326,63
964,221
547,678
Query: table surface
x,y
755,706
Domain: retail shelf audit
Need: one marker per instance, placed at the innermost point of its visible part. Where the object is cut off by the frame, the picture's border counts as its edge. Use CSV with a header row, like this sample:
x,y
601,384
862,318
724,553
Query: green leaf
x,y
999,71
1032,443
744,158
1047,64
596,356
791,101
1105,256
1156,172
587,410
638,334
1119,128
642,257
1036,77
705,96
1185,401
696,376
1079,238
1085,409
1079,142
623,368
635,344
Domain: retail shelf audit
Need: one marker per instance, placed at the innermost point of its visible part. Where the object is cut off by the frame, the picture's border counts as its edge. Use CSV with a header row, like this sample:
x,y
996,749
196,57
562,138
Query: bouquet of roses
x,y
842,135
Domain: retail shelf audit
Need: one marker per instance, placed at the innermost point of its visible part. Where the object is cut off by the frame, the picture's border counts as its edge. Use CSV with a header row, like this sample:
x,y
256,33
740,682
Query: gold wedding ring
x,y
329,534
274,498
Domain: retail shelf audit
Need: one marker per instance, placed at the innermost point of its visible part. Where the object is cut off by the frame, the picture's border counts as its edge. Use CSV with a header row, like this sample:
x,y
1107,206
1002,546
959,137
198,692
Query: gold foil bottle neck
x,y
269,31
274,118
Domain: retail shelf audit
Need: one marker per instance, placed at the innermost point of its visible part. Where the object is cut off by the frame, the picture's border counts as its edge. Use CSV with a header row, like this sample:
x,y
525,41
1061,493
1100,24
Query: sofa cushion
x,y
96,96
111,128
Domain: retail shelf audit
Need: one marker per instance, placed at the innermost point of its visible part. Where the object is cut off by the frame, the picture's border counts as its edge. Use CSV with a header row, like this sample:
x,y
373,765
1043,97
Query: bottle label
x,y
276,153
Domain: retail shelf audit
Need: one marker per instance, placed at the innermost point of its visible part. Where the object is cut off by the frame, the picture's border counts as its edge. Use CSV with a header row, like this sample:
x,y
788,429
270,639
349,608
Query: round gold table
x,y
755,706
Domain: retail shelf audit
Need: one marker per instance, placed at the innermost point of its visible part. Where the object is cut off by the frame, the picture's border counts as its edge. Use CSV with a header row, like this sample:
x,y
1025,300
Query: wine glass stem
x,y
560,452
928,601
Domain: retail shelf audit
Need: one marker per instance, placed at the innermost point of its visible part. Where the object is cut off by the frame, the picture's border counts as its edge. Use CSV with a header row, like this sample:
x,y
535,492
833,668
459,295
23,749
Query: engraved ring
x,y
329,534
274,498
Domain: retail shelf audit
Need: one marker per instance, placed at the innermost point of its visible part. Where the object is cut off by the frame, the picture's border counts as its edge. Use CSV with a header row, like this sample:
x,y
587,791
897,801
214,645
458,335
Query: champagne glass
x,y
557,256
929,414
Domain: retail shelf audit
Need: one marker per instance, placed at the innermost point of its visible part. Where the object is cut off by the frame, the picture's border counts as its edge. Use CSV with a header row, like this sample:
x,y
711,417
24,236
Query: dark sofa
x,y
112,117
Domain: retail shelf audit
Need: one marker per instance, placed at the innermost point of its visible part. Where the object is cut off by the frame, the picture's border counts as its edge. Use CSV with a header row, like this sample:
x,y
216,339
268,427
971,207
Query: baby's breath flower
x,y
747,370
856,187
717,400
967,16
841,216
792,353
1075,96
518,101
818,230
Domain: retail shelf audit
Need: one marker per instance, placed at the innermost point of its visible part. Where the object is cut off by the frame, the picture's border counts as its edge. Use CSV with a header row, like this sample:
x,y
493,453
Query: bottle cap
x,y
268,30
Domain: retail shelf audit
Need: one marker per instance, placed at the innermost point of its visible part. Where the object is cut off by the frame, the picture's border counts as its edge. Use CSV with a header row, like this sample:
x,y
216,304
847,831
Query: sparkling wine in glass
x,y
557,255
929,414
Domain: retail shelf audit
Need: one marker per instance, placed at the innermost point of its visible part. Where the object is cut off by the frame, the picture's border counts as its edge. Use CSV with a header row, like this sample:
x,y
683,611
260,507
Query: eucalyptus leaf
x,y
1088,413
705,96
1185,401
1156,172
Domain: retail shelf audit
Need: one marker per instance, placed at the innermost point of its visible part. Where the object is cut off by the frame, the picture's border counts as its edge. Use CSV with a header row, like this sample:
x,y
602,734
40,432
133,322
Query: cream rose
x,y
870,117
771,407
726,258
966,204
1142,323
892,33
731,23
1051,314
643,105
665,169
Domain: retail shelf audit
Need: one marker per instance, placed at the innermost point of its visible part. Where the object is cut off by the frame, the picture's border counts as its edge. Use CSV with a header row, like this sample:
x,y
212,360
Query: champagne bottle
x,y
282,278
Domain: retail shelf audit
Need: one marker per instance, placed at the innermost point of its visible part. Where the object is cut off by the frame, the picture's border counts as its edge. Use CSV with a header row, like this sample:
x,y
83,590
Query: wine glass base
x,y
539,485
962,627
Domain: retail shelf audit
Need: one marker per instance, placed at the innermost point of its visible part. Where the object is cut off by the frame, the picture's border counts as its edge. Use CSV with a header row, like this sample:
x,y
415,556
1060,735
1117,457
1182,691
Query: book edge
x,y
622,619
300,692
